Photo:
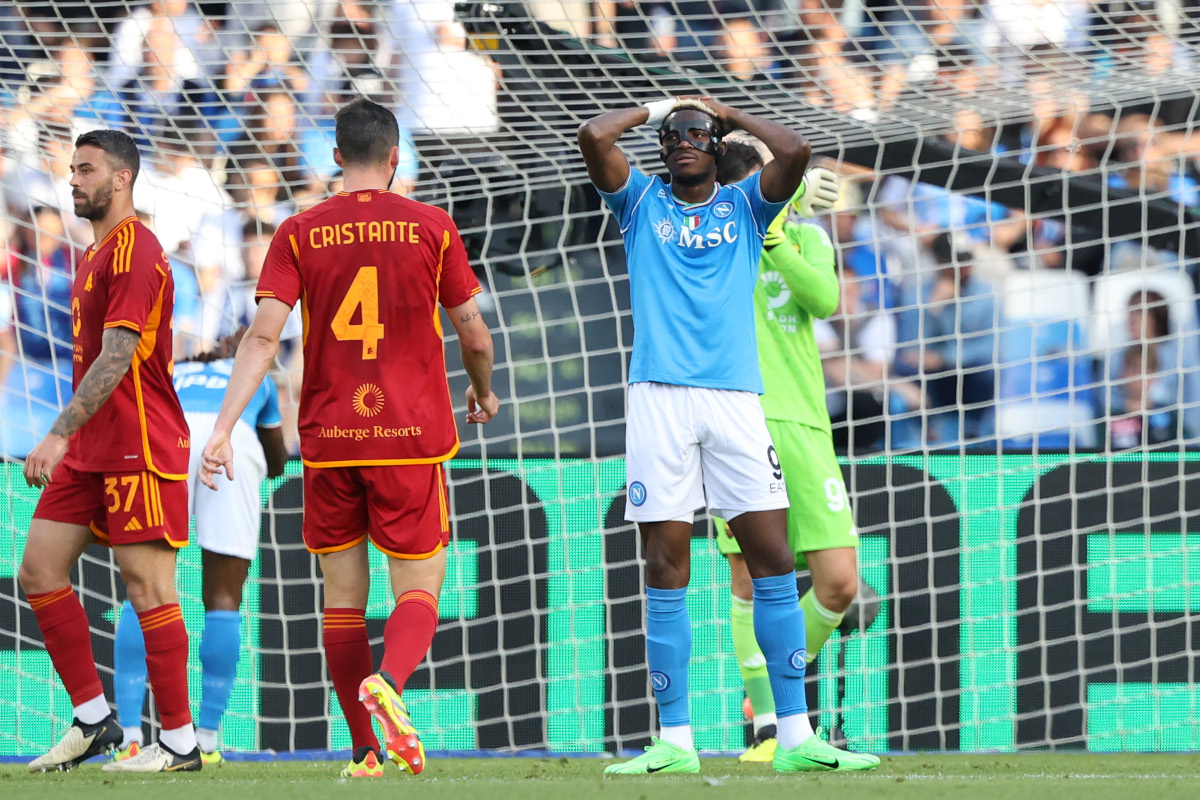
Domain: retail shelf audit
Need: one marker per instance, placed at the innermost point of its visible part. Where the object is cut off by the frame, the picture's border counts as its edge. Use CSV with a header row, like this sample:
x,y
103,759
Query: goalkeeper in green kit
x,y
797,282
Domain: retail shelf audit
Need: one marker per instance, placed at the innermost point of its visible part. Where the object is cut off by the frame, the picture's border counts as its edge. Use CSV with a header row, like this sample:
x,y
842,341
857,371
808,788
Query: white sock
x,y
93,711
678,735
181,740
206,739
793,730
132,734
763,720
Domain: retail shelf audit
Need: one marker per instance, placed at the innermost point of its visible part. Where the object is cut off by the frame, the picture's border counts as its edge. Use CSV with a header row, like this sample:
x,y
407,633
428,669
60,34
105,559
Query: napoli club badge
x,y
637,493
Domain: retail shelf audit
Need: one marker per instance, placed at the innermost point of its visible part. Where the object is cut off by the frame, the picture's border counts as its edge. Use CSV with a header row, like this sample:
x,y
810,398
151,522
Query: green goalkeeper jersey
x,y
797,281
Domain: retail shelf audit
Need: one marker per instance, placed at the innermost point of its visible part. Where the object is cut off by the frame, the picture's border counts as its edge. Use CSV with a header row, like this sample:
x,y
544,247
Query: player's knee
x,y
146,594
838,593
38,578
663,571
222,599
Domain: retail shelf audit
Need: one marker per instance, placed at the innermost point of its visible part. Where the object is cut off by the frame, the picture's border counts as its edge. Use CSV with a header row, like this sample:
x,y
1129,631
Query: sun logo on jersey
x,y
368,400
665,230
777,289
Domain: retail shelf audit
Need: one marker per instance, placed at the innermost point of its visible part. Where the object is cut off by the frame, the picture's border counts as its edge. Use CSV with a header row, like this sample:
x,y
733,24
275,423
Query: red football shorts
x,y
119,507
403,508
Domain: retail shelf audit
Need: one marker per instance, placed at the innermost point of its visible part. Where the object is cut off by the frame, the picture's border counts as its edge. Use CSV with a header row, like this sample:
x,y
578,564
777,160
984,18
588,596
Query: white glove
x,y
658,111
818,192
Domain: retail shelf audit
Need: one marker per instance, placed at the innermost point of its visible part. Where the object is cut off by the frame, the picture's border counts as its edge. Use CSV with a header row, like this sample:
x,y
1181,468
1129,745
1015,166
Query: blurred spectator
x,y
1016,27
269,60
1145,377
9,261
271,133
742,51
1130,33
43,180
946,334
144,29
43,290
858,346
165,87
1141,413
177,190
217,245
444,87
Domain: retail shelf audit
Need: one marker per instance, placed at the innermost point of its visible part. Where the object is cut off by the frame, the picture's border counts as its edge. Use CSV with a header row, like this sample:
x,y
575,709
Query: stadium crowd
x,y
961,320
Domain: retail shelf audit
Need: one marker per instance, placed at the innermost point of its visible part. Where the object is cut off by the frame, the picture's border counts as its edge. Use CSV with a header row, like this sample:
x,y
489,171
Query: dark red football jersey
x,y
125,281
369,269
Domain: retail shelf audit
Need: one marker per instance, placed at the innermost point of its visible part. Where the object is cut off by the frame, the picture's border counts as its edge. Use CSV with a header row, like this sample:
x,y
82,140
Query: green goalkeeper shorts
x,y
819,517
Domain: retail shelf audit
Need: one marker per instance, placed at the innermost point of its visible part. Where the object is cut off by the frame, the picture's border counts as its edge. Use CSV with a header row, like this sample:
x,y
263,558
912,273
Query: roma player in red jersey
x,y
376,422
113,466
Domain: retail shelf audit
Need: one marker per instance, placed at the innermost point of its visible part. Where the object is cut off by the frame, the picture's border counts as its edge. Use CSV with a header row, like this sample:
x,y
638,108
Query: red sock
x,y
166,663
68,640
349,656
408,634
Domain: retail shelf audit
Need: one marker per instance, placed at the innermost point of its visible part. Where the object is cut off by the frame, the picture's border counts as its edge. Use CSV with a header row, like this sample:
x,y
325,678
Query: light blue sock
x,y
220,648
668,647
779,628
129,661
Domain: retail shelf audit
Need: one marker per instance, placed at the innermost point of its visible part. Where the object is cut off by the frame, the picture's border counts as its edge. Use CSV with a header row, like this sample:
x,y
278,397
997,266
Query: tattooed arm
x,y
475,342
98,384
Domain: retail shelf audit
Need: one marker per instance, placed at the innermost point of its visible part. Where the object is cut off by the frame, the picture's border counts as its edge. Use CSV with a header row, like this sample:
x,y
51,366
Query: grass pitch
x,y
915,777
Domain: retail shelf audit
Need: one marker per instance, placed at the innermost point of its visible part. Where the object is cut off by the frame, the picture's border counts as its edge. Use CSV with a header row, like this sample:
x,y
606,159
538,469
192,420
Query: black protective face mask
x,y
684,129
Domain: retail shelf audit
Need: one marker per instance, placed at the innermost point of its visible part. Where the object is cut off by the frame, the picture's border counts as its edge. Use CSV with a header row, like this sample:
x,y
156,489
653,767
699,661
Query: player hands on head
x,y
798,282
113,469
376,422
695,430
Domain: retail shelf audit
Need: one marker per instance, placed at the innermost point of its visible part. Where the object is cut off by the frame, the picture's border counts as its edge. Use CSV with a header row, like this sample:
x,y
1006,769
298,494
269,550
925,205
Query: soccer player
x,y
227,532
797,281
113,468
695,431
376,421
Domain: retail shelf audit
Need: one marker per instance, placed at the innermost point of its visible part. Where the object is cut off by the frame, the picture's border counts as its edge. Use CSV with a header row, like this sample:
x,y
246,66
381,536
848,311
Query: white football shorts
x,y
227,520
687,447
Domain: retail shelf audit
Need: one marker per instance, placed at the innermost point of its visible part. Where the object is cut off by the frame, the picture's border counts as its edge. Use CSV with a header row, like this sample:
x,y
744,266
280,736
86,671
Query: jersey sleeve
x,y
457,283
762,209
135,283
269,416
280,278
806,262
624,201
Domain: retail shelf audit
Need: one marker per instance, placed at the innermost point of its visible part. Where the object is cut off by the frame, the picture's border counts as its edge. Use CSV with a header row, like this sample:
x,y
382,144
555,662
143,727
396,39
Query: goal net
x,y
1013,371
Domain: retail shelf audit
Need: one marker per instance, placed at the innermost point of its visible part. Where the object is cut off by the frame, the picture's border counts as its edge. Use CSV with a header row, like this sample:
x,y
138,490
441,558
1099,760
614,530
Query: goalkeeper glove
x,y
775,235
818,192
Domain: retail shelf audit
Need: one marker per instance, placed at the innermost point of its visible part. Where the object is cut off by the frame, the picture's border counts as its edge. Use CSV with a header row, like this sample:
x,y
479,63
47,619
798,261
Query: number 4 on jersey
x,y
364,293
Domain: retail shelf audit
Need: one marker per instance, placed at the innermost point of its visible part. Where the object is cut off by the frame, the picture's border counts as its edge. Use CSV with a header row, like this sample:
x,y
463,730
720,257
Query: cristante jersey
x,y
369,269
692,272
125,281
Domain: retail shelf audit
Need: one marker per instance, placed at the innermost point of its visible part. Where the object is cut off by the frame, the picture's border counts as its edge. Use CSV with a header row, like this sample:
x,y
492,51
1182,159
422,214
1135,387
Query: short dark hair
x,y
740,160
366,132
120,148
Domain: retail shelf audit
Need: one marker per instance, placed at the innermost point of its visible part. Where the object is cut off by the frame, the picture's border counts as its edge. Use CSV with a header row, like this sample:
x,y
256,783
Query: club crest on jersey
x,y
722,210
665,230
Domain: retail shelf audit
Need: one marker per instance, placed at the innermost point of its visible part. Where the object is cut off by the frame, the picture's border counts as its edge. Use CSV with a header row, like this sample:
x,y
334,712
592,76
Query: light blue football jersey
x,y
692,272
201,388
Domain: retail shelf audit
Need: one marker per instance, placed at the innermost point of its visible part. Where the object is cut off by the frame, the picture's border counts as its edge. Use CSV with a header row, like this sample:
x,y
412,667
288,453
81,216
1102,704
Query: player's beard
x,y
95,207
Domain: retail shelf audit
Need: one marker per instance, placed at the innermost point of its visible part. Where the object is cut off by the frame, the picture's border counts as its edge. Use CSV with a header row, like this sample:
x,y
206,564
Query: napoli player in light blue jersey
x,y
227,531
695,431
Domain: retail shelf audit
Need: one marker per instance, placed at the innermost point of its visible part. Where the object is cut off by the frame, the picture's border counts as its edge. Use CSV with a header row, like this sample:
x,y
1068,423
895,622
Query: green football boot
x,y
815,754
660,756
